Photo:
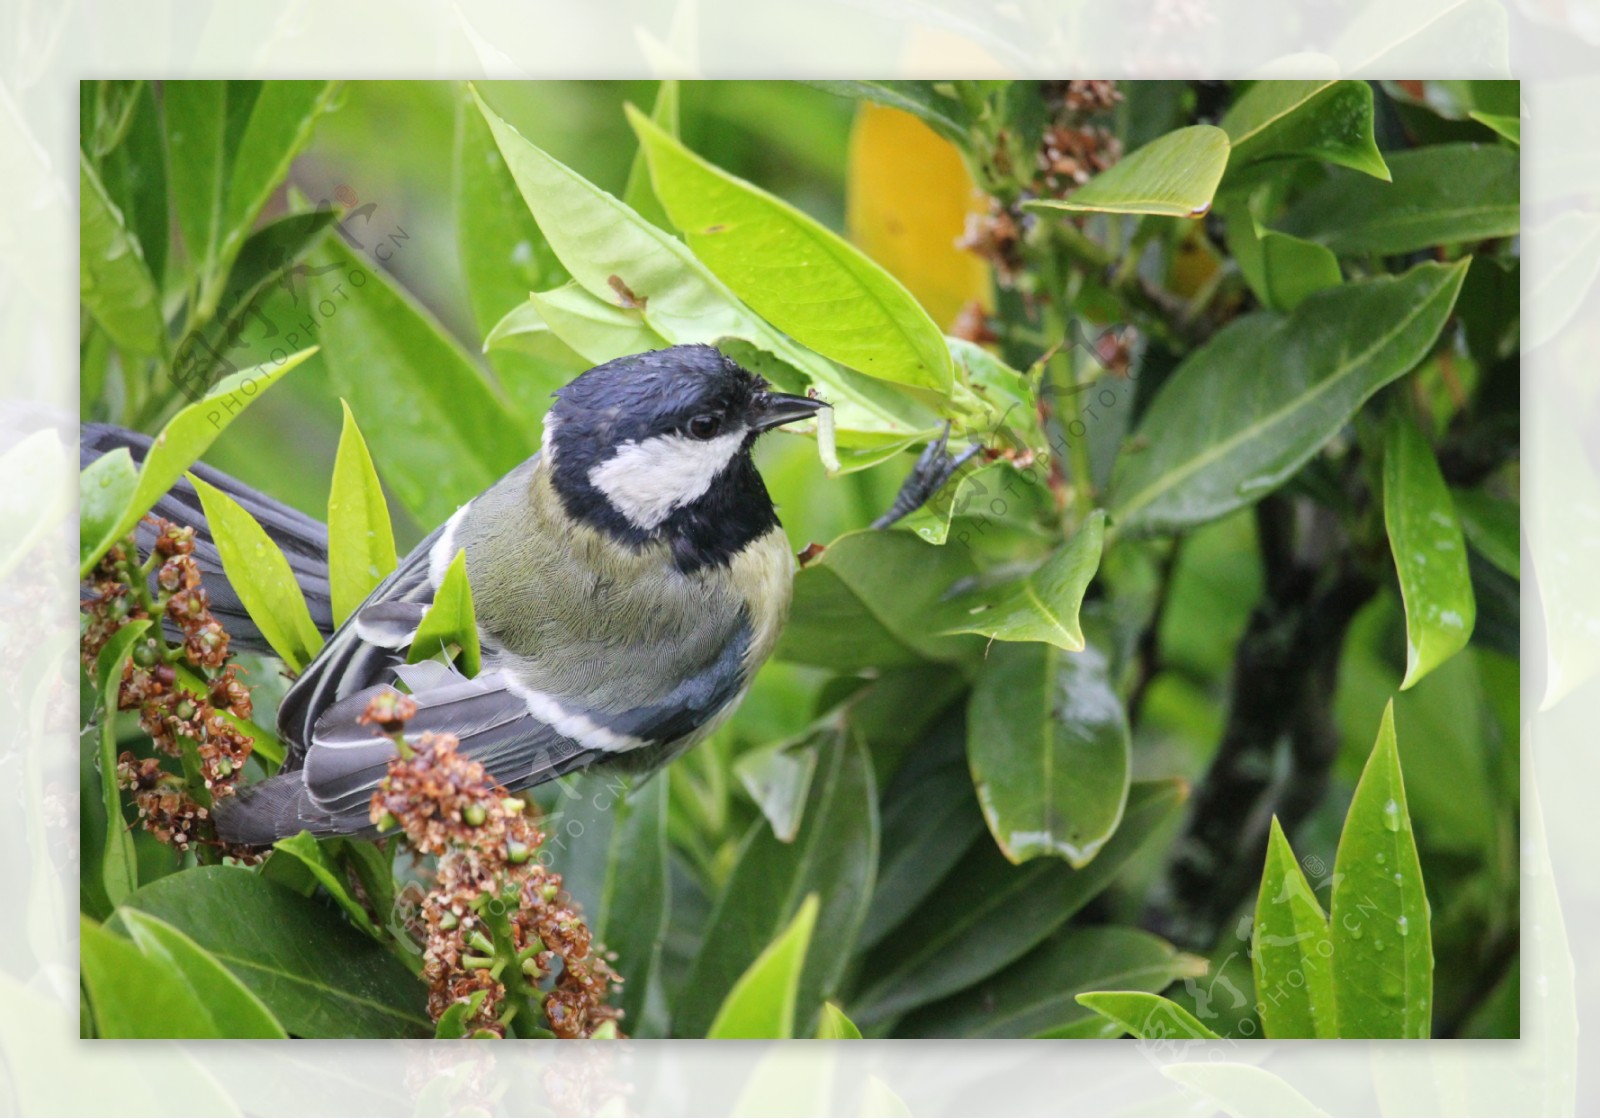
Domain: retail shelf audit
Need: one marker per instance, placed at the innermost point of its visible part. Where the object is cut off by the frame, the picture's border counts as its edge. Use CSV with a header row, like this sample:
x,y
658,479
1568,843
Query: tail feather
x,y
261,814
303,540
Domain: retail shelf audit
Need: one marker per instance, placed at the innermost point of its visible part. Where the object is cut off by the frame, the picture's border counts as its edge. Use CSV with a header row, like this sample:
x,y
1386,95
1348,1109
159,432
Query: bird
x,y
627,581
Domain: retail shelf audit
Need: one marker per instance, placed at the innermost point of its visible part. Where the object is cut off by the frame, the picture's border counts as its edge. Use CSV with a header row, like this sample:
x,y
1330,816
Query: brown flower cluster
x,y
496,920
176,719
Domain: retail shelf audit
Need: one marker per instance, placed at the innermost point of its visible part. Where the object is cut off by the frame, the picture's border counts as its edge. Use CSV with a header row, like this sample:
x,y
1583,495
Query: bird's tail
x,y
262,813
304,541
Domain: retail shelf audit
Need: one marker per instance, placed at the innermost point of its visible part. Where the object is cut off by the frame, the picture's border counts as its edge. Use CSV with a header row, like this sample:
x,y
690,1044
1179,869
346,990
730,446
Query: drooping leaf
x,y
1327,120
523,330
114,281
135,995
865,603
1050,749
450,622
1281,270
611,849
1507,126
360,539
1382,941
318,975
778,778
1442,194
183,440
304,848
989,913
834,1026
600,241
1041,606
233,1008
798,275
1248,409
261,576
1493,528
1038,994
762,1003
1147,1016
1429,552
436,428
503,258
1291,949
104,489
119,865
833,857
1173,176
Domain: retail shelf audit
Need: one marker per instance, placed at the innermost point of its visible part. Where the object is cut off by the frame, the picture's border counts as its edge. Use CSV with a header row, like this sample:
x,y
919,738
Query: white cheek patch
x,y
646,481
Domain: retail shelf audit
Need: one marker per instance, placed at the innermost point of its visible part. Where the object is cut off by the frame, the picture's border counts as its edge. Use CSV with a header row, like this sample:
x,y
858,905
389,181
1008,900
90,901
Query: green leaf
x,y
1173,176
865,603
360,539
1506,126
1146,1016
233,1008
1245,411
450,622
988,913
762,1003
1280,269
438,430
616,866
834,1026
453,1022
1041,606
113,280
1493,528
1324,120
1048,740
197,118
638,195
794,272
1382,946
1038,994
304,848
925,100
503,258
135,995
317,974
261,577
185,439
597,330
282,116
523,330
778,778
135,176
104,489
119,865
1430,555
597,238
1291,949
1444,194
833,858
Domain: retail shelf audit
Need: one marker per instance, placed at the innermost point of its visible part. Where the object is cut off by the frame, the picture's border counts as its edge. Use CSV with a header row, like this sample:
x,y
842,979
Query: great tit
x,y
628,580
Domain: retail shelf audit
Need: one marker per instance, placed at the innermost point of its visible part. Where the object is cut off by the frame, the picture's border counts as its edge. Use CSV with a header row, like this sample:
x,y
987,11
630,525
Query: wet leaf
x,y
1327,120
794,272
1430,555
360,539
762,1003
1245,411
1173,176
1049,745
1290,950
261,576
1146,1016
1382,942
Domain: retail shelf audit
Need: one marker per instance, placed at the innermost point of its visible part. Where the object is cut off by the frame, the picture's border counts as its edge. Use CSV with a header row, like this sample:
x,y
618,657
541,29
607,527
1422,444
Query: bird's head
x,y
658,445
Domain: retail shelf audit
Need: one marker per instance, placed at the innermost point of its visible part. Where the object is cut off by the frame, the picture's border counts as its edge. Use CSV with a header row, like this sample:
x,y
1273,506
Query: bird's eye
x,y
705,427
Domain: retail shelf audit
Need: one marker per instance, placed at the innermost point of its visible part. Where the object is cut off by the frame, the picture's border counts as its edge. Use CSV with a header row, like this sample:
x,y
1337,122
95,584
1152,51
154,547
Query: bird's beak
x,y
774,409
